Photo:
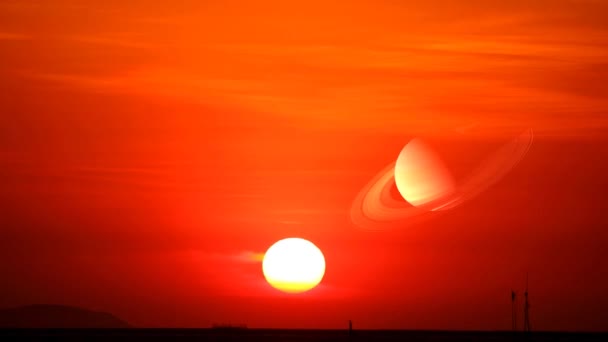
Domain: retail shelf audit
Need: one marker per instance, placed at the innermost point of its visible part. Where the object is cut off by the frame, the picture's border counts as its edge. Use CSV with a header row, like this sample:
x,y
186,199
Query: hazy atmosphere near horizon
x,y
431,155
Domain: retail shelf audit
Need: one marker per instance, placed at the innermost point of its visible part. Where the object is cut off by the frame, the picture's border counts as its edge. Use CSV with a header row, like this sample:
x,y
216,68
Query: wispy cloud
x,y
290,222
246,257
417,77
13,36
126,39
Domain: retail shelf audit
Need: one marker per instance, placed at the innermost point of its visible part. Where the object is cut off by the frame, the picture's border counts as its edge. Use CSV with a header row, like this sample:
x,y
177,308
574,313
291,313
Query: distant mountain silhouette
x,y
57,316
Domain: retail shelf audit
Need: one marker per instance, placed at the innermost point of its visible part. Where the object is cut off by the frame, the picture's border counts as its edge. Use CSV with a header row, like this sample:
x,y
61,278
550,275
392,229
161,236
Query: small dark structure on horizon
x,y
513,310
527,327
514,306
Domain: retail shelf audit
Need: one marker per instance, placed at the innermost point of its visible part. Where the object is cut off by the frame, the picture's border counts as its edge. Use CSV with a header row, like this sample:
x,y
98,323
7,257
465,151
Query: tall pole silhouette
x,y
527,327
513,310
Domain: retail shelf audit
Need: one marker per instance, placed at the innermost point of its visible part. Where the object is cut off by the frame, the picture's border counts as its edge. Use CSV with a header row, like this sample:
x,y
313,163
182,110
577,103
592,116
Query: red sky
x,y
148,151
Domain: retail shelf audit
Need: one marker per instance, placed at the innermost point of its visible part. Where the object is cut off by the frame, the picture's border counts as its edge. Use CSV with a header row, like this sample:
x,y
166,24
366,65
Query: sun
x,y
293,265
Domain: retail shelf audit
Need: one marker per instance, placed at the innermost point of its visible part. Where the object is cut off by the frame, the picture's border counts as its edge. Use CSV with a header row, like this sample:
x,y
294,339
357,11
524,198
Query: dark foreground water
x,y
255,335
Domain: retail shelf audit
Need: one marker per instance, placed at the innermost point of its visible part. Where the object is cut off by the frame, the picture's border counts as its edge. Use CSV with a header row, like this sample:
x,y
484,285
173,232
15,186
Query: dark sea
x,y
256,335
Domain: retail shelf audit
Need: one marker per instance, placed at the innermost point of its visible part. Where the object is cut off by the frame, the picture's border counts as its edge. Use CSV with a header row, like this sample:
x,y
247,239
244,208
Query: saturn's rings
x,y
374,208
496,166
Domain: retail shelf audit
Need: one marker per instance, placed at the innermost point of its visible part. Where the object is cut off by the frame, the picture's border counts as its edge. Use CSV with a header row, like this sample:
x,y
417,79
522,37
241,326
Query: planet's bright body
x,y
293,265
420,175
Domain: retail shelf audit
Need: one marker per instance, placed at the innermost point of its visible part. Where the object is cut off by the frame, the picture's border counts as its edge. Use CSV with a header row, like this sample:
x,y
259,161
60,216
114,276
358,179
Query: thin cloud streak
x,y
13,36
504,78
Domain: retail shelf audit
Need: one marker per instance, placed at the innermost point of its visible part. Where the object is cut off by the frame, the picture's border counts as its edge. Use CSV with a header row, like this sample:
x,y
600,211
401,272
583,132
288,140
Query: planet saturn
x,y
426,185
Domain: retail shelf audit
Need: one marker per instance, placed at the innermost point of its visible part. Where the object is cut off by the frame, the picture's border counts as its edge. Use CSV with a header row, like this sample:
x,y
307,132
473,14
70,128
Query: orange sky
x,y
149,150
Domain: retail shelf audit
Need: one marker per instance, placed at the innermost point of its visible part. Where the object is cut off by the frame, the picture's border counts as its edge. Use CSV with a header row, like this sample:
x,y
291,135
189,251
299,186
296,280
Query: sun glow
x,y
293,265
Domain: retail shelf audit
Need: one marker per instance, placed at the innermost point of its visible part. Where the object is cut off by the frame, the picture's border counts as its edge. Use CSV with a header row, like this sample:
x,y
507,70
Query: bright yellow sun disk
x,y
293,265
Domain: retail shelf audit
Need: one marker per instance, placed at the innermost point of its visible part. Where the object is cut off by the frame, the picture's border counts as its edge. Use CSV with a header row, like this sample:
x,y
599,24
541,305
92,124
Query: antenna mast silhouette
x,y
513,310
526,309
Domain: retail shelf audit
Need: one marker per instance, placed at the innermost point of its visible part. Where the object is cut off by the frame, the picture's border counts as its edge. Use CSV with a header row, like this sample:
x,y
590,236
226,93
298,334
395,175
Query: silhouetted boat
x,y
228,327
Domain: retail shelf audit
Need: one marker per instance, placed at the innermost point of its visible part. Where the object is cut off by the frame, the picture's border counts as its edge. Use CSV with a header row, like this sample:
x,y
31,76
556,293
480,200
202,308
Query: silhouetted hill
x,y
57,316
